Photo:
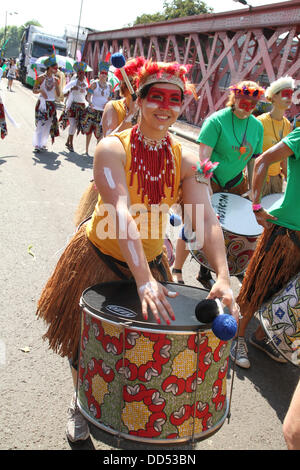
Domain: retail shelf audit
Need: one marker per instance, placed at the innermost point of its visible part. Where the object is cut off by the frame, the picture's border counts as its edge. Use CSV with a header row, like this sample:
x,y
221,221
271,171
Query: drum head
x,y
268,201
235,214
119,302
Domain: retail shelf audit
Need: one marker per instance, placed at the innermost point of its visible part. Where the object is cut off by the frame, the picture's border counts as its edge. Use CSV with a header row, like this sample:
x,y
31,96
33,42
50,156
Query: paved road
x,y
39,194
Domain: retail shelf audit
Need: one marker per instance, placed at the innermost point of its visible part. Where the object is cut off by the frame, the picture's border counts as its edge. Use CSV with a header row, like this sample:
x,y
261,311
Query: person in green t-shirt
x,y
276,259
231,137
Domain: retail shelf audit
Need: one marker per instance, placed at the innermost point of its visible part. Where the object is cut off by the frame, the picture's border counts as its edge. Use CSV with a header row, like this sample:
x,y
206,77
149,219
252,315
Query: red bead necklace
x,y
153,163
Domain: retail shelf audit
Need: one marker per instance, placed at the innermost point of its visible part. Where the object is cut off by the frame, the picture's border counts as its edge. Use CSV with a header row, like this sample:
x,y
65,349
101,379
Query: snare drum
x,y
280,318
240,230
147,382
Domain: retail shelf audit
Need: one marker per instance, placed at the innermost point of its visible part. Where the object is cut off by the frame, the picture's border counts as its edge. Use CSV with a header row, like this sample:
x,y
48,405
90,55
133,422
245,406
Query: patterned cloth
x,y
76,111
92,122
3,127
49,113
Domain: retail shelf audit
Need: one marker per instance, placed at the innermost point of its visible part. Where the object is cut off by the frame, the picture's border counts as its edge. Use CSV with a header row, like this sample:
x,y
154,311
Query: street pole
x,y
78,30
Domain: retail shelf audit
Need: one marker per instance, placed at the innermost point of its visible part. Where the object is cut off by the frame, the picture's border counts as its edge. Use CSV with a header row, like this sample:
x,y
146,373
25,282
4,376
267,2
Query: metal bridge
x,y
260,44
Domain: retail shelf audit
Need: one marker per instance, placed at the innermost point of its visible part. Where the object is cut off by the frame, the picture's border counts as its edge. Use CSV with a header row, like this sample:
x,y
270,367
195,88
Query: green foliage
x,y
13,35
175,9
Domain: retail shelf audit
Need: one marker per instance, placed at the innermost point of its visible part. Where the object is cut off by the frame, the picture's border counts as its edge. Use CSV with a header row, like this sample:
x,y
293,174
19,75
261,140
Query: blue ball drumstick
x,y
224,326
118,61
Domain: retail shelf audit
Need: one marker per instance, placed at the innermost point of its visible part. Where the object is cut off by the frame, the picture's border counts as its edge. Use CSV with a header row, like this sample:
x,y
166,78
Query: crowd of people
x,y
137,161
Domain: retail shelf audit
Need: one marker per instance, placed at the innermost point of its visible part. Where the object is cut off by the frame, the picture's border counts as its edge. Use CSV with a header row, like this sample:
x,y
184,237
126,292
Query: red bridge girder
x,y
259,44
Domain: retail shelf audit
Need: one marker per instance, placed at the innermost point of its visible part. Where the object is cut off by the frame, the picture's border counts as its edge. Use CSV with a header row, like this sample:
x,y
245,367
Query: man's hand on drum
x,y
154,295
263,218
222,290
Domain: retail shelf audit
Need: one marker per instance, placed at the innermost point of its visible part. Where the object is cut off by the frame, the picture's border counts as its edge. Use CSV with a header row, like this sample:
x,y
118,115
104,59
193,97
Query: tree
x,y
13,38
175,9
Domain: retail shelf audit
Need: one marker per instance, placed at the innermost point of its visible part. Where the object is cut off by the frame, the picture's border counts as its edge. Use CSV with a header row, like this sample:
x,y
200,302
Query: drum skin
x,y
146,385
280,318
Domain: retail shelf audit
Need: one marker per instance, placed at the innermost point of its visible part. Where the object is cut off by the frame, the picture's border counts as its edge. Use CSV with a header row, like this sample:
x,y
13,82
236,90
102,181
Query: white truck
x,y
37,43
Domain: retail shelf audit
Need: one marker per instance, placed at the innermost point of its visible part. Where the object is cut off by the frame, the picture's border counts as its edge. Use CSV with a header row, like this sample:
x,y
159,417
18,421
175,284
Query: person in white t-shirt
x,y
12,72
74,112
99,93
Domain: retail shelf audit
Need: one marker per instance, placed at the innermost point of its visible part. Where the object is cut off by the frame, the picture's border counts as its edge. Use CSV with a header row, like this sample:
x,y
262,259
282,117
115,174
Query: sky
x,y
96,14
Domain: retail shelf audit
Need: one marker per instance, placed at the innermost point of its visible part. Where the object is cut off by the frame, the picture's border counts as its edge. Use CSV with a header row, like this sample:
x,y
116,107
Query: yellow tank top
x,y
119,107
274,131
101,230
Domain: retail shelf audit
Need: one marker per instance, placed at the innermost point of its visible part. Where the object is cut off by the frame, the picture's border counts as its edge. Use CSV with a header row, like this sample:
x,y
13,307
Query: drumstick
x,y
118,61
224,326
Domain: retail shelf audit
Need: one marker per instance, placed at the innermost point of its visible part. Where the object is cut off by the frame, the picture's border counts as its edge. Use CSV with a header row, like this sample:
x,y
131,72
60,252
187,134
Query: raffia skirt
x,y
275,261
86,204
78,268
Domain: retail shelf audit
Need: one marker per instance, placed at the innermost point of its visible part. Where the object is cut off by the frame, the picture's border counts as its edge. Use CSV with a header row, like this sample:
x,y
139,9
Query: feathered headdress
x,y
131,68
164,72
280,84
248,90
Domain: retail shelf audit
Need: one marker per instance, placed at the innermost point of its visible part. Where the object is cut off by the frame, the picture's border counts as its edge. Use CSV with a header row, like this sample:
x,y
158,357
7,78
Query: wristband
x,y
256,207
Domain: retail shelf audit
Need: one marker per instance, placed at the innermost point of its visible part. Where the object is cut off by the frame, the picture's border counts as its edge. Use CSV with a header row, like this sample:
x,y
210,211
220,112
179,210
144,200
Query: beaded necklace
x,y
153,163
242,148
49,83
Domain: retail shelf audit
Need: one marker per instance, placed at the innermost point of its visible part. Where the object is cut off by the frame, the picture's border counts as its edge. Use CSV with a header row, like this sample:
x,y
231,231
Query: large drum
x,y
240,230
147,382
280,317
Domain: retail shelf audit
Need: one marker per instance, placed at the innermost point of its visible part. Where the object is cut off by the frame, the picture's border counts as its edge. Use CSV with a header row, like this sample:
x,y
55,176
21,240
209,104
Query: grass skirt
x,y
78,268
86,204
275,261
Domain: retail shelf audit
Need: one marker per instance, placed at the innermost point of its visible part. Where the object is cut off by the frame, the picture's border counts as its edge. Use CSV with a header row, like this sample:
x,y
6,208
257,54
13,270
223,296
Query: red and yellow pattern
x,y
154,385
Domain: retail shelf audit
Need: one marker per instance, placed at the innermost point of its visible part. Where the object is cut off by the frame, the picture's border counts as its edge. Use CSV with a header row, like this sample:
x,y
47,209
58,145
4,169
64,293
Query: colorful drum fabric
x,y
280,318
170,251
240,231
146,382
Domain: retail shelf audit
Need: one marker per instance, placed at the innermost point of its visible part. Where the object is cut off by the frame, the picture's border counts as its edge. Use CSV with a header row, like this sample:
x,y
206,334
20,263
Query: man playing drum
x,y
115,243
277,256
231,137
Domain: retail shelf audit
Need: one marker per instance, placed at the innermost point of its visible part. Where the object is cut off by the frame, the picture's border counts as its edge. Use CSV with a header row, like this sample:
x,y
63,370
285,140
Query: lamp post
x,y
5,28
78,30
244,2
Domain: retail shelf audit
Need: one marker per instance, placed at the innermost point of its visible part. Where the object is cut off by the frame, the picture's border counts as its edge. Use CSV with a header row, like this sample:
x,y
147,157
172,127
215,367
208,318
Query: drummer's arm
x,y
211,238
277,153
110,121
110,179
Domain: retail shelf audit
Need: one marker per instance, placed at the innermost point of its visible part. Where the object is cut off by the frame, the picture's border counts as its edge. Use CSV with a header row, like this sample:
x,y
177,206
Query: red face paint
x,y
164,98
287,93
246,105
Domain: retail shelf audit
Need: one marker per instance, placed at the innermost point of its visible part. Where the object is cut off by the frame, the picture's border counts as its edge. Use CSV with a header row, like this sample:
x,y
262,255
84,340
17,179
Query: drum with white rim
x,y
148,382
268,201
240,230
